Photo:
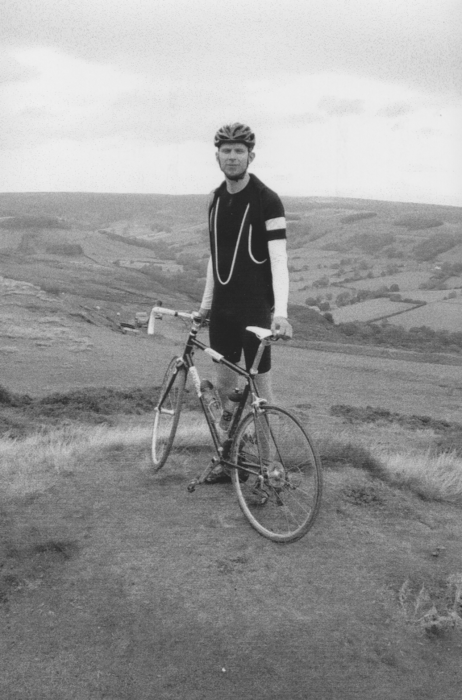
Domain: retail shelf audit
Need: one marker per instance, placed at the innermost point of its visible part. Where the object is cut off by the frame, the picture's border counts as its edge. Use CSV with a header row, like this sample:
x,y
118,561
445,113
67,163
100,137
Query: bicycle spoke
x,y
290,473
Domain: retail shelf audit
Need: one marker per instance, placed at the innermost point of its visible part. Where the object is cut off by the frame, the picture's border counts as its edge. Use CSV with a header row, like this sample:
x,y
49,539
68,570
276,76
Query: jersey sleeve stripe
x,y
276,235
275,224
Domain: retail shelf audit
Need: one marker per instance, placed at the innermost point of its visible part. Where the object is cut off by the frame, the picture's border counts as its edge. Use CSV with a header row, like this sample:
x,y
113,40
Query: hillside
x,y
376,271
115,582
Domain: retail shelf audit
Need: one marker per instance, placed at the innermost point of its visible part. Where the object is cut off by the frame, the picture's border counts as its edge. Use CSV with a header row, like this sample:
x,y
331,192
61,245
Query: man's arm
x,y
280,272
206,303
275,224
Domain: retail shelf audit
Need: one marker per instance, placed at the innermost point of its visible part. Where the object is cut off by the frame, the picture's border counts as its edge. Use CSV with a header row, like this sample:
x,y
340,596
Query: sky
x,y
348,98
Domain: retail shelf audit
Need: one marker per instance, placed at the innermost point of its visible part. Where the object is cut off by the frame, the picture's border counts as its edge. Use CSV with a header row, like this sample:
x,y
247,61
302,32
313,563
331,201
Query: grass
x,y
376,414
77,490
21,415
43,332
430,475
31,464
27,463
49,435
437,614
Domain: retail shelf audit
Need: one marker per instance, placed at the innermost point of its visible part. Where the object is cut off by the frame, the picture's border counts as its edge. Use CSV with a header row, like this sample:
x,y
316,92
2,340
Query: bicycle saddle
x,y
261,333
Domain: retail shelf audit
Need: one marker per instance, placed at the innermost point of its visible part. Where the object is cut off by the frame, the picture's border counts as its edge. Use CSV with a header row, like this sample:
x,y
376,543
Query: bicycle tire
x,y
282,497
167,412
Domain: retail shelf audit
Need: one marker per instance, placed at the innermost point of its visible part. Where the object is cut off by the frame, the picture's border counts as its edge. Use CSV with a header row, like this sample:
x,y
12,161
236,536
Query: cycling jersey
x,y
241,225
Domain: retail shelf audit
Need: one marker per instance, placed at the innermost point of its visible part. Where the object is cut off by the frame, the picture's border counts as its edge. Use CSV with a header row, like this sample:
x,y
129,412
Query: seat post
x,y
254,369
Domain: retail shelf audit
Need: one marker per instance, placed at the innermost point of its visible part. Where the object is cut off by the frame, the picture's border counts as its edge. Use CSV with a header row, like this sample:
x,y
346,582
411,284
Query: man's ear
x,y
251,156
216,156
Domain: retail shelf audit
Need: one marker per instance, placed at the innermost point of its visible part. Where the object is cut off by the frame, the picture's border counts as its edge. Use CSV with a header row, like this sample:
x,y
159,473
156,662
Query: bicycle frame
x,y
187,361
273,465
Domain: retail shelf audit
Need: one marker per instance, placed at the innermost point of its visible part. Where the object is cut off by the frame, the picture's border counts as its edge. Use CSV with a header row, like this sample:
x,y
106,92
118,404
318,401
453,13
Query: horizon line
x,y
202,194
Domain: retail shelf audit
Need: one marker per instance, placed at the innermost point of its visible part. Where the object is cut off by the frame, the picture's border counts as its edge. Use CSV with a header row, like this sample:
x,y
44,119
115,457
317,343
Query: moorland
x,y
114,581
362,272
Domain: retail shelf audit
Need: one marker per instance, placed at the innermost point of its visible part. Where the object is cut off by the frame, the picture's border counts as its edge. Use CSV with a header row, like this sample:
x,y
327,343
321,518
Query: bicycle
x,y
274,467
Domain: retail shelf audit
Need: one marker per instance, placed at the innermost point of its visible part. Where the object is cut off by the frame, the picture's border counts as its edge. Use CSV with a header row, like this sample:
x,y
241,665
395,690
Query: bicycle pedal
x,y
192,485
261,497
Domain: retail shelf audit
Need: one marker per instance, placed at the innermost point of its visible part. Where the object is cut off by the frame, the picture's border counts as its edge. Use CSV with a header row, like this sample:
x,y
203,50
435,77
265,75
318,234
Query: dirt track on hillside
x,y
133,589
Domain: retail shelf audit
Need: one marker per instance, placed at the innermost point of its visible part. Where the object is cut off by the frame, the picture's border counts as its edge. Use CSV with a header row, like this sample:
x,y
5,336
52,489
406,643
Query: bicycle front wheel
x,y
281,495
167,412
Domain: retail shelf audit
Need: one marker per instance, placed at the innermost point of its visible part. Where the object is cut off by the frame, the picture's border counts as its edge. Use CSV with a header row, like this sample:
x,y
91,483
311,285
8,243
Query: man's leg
x,y
265,390
265,386
226,382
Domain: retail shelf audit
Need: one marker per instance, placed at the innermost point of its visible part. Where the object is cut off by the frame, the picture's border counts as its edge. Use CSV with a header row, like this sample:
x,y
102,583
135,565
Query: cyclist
x,y
247,275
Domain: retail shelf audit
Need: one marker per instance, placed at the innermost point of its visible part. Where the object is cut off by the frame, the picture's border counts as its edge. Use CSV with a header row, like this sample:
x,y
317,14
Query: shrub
x,y
433,246
348,329
343,298
351,218
6,398
24,222
416,222
392,252
322,282
69,249
337,454
368,242
50,288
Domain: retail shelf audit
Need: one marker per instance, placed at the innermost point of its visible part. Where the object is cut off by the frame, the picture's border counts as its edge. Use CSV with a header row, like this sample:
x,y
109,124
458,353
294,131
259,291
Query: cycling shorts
x,y
229,337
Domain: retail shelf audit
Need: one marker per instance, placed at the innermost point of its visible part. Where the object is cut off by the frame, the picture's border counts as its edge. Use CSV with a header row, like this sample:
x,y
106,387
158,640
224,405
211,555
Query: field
x,y
370,310
114,581
437,315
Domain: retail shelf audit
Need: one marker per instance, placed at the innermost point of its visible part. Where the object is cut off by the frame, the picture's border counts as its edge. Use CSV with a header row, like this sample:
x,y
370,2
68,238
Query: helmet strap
x,y
236,178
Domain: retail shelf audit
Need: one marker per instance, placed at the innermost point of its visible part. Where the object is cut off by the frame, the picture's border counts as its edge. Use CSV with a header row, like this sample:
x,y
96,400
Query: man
x,y
247,275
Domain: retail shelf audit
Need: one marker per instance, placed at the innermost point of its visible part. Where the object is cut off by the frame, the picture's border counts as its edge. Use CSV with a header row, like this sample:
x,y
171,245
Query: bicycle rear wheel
x,y
282,495
167,412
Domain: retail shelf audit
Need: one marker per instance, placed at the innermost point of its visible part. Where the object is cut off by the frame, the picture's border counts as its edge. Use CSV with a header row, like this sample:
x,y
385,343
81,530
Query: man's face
x,y
234,159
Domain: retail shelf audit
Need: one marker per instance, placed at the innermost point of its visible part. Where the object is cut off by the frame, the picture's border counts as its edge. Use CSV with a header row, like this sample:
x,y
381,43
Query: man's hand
x,y
281,328
204,315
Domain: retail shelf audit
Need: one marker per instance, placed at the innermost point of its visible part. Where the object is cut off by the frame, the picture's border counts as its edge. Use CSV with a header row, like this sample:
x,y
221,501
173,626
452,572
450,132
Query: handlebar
x,y
159,311
263,334
170,312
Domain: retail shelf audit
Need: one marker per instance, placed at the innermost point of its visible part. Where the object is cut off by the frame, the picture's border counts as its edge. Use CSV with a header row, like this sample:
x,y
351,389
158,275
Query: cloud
x,y
12,70
337,107
395,109
416,42
60,96
346,97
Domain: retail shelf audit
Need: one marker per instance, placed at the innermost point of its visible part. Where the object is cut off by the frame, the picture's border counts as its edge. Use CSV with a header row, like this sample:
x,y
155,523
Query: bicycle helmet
x,y
236,133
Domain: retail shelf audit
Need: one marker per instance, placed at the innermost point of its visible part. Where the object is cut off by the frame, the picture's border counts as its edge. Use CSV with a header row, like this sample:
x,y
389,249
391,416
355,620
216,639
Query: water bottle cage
x,y
235,396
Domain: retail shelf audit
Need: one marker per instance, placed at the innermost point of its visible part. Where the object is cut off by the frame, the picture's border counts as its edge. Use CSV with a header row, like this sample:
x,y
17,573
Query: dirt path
x,y
133,589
